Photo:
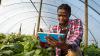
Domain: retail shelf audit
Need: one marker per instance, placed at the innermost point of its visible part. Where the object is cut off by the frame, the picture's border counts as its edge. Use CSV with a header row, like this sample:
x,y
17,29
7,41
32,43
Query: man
x,y
71,28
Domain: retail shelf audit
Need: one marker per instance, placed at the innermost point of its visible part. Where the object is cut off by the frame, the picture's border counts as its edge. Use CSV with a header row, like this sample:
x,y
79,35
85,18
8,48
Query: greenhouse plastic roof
x,y
16,12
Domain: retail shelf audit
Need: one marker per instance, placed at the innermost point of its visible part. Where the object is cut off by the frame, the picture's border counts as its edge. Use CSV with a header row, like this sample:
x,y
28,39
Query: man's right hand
x,y
51,41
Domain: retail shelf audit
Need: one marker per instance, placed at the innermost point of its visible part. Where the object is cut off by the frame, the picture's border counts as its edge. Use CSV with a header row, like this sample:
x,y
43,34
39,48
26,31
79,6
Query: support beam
x,y
39,17
0,2
86,25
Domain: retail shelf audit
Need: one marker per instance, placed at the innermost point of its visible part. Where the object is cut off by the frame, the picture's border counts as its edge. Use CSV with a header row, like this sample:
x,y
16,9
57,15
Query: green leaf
x,y
37,51
7,47
7,52
30,53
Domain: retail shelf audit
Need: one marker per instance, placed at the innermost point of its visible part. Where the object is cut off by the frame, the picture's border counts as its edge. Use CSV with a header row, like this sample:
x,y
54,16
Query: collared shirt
x,y
74,35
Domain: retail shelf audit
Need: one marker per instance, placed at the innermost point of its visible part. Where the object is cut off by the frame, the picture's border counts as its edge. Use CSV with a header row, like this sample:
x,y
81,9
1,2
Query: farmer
x,y
73,30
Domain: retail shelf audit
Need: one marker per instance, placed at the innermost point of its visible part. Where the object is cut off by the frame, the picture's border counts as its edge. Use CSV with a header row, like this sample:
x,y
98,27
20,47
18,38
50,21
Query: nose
x,y
61,18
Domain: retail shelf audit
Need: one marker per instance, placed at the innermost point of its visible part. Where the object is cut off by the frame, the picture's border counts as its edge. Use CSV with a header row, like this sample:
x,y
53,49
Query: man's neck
x,y
63,25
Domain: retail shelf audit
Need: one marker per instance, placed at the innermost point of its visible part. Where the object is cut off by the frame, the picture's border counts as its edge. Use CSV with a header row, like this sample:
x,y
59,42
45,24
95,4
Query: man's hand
x,y
54,42
60,44
51,41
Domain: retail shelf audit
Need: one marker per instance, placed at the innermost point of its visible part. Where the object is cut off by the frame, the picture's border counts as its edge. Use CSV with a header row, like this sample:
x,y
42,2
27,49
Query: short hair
x,y
65,7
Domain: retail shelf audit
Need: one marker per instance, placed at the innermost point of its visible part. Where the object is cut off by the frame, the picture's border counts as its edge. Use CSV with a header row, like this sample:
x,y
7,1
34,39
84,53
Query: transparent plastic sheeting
x,y
13,13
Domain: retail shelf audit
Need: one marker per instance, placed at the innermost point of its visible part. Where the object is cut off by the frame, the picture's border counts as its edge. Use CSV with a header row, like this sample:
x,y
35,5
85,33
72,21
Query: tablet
x,y
42,36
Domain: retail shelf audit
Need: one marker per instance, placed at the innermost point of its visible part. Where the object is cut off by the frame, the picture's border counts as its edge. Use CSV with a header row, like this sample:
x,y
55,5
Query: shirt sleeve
x,y
76,33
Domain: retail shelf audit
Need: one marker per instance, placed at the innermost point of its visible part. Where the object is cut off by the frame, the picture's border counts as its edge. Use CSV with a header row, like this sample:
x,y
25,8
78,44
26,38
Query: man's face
x,y
63,16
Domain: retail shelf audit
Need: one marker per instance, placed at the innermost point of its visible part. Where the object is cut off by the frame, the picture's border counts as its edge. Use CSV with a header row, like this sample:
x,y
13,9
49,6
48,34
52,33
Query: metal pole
x,y
86,25
0,2
34,29
38,21
20,29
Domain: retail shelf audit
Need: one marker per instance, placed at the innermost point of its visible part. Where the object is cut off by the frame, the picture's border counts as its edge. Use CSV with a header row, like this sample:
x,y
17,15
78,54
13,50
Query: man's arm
x,y
76,37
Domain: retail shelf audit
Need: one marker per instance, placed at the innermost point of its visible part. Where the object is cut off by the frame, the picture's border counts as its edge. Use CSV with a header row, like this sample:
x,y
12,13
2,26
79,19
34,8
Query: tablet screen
x,y
42,36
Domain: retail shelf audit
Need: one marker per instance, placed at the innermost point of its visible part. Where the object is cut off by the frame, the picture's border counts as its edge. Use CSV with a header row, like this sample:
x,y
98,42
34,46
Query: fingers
x,y
61,39
51,41
37,36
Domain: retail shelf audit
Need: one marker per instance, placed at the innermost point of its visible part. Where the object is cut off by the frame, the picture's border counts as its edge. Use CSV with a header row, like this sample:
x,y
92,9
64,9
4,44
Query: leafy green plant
x,y
28,45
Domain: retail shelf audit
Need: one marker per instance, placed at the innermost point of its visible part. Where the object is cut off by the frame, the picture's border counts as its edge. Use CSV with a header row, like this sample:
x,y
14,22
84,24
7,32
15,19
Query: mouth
x,y
62,21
